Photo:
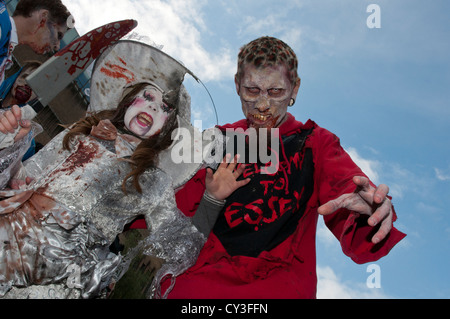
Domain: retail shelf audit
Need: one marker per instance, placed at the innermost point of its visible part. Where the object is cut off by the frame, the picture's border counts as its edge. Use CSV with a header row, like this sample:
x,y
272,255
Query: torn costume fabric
x,y
263,243
55,234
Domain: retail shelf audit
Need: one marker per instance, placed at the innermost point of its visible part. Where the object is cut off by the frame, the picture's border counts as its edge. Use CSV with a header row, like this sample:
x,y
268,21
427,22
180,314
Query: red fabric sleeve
x,y
188,198
138,223
334,173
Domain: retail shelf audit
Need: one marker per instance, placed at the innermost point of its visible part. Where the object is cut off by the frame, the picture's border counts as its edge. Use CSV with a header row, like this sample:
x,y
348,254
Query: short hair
x,y
57,9
268,51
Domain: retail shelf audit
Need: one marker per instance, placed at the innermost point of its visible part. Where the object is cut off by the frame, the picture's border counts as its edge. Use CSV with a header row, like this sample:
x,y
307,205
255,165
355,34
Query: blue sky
x,y
383,91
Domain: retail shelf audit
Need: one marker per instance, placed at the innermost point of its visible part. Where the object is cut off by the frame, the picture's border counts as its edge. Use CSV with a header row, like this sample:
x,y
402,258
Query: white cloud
x,y
325,236
442,175
330,286
369,167
174,24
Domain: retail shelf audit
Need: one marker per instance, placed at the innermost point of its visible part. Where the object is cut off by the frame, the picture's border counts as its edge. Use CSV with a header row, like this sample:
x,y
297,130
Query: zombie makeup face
x,y
148,113
47,37
265,94
50,41
21,92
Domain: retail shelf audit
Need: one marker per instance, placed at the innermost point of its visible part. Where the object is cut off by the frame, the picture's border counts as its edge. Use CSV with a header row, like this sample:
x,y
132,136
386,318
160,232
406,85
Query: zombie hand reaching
x,y
366,200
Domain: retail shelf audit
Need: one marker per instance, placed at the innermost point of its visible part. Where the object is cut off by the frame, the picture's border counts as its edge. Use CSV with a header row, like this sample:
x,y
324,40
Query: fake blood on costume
x,y
263,244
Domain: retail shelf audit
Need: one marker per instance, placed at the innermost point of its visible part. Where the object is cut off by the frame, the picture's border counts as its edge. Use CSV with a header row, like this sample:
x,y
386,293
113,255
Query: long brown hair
x,y
146,153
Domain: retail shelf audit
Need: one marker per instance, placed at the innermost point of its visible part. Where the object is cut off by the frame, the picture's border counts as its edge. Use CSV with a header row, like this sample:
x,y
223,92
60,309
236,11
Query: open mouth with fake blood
x,y
23,93
144,120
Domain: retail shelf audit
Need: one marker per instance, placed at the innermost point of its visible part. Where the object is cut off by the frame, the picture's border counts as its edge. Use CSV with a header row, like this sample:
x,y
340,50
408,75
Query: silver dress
x,y
55,234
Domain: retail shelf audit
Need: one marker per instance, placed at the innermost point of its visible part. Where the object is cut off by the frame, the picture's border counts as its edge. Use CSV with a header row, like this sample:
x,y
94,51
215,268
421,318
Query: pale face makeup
x,y
265,95
148,113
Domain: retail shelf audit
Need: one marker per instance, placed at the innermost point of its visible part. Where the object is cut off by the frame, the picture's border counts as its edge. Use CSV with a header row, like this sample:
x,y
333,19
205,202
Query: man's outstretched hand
x,y
366,200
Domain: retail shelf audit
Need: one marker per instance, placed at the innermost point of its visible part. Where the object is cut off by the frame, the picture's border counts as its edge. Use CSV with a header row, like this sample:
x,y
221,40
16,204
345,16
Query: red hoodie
x,y
265,247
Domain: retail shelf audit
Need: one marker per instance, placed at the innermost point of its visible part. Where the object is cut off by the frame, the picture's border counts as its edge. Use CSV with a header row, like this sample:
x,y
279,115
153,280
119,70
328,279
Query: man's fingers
x,y
382,232
380,193
366,200
350,201
362,183
383,217
383,211
385,228
369,193
331,206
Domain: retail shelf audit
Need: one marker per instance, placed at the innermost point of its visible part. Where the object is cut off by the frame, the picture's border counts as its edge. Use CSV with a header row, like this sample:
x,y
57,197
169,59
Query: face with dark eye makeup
x,y
148,113
265,94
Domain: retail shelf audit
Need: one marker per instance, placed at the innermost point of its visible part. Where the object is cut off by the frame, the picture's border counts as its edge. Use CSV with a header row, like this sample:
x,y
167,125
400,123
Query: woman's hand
x,y
223,182
10,120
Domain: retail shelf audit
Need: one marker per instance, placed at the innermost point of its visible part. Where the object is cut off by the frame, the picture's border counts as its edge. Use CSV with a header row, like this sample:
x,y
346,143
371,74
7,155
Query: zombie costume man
x,y
39,24
263,243
56,232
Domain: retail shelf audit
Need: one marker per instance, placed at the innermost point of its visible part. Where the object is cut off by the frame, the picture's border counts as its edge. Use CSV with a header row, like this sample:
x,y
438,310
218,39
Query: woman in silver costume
x,y
96,177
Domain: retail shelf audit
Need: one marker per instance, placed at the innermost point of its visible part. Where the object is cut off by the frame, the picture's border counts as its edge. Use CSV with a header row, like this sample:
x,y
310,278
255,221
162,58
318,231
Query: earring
x,y
292,101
